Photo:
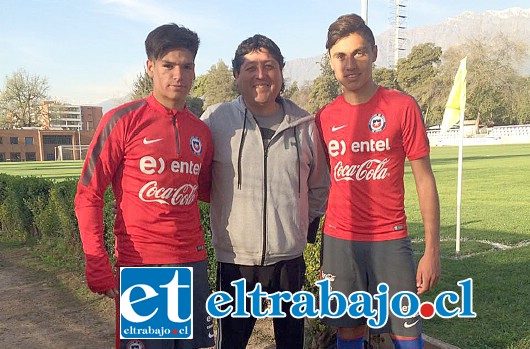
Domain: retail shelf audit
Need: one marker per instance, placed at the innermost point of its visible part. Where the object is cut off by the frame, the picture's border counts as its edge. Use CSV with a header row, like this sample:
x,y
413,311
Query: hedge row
x,y
40,212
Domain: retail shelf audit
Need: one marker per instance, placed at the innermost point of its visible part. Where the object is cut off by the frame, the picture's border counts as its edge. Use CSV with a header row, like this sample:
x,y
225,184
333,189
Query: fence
x,y
484,136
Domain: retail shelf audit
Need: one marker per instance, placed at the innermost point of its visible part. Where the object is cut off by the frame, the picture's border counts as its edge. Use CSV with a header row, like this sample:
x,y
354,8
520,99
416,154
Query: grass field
x,y
495,245
495,250
47,169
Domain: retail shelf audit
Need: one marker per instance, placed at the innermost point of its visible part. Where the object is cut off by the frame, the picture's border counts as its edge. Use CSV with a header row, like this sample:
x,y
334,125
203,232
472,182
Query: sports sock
x,y
414,343
356,343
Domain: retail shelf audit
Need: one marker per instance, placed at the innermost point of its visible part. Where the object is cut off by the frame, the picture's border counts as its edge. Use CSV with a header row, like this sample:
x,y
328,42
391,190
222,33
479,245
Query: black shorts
x,y
353,266
203,336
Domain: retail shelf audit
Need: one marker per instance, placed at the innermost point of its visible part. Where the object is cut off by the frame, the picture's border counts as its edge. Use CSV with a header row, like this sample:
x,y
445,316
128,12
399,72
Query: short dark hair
x,y
255,43
169,37
346,25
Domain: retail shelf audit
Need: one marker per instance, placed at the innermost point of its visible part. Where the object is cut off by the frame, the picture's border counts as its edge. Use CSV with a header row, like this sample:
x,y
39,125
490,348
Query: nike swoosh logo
x,y
150,141
407,325
336,128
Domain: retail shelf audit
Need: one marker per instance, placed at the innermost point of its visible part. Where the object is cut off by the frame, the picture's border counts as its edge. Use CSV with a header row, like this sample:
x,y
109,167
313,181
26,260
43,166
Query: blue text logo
x,y
156,302
333,304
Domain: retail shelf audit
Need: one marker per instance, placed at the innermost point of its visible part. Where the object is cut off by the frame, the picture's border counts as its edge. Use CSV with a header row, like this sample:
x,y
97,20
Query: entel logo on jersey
x,y
336,147
149,165
377,123
156,303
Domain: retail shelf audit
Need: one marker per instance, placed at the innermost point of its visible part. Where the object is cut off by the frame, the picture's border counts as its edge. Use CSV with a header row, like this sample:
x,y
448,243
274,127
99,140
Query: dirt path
x,y
38,308
42,308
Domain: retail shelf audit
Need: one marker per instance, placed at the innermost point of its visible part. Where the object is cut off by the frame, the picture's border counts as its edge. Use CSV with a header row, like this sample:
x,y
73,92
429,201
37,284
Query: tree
x,y
195,105
325,88
199,86
300,96
218,85
22,99
385,77
5,122
143,85
493,84
289,92
417,75
419,66
521,103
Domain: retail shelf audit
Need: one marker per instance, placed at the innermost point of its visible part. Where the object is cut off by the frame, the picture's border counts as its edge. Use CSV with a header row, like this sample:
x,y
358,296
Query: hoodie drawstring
x,y
240,153
297,157
241,141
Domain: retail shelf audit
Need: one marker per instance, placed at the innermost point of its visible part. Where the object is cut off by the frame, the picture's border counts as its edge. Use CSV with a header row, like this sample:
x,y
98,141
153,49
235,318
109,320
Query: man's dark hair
x,y
169,37
346,25
255,43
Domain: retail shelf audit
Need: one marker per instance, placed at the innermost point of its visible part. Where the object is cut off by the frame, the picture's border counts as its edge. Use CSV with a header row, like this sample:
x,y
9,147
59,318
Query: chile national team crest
x,y
377,123
196,145
135,344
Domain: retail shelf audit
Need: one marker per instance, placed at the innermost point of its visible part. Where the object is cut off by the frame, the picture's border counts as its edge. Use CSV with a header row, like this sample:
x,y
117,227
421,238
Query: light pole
x,y
79,145
364,10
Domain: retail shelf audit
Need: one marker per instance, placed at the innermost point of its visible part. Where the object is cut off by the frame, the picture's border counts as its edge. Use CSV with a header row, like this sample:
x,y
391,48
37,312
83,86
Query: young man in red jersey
x,y
369,131
157,156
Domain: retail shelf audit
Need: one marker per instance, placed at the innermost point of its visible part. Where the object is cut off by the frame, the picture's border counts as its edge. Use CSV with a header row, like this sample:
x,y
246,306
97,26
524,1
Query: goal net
x,y
70,152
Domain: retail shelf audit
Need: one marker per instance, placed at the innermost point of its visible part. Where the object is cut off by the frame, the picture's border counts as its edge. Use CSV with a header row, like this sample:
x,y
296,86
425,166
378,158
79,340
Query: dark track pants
x,y
234,333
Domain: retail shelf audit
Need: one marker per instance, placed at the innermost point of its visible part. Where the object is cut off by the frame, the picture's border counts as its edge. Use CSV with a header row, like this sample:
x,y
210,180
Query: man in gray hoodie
x,y
270,183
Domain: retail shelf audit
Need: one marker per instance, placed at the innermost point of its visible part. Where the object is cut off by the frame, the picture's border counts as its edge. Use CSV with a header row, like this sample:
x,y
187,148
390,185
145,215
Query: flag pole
x,y
453,113
462,98
459,185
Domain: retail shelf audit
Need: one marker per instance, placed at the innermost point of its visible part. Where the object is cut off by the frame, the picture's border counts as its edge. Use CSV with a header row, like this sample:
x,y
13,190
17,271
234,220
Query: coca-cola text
x,y
184,195
371,169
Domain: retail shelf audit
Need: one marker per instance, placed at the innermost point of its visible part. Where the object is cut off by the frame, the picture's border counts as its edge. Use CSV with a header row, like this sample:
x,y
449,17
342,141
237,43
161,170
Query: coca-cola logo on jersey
x,y
371,169
183,195
154,191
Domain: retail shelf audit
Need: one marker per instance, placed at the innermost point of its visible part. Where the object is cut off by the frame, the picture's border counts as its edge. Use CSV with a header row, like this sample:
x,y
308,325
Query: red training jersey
x,y
367,145
159,163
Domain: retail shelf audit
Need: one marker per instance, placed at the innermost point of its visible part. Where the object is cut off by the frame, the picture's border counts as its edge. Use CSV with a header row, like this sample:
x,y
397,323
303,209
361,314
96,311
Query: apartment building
x,y
70,117
42,145
65,128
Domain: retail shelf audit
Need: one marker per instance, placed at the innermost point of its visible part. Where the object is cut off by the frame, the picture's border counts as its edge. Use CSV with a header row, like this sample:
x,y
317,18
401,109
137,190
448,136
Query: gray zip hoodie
x,y
262,200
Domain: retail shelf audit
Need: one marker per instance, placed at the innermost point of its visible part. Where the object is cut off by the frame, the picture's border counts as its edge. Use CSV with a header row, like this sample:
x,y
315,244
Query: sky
x,y
90,51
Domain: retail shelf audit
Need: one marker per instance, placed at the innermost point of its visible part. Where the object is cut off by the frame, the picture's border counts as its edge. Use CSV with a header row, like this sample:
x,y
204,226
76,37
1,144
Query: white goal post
x,y
70,152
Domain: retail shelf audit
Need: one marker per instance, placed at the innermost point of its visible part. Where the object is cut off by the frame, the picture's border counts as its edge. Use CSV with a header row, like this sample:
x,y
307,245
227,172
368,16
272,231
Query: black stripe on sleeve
x,y
102,138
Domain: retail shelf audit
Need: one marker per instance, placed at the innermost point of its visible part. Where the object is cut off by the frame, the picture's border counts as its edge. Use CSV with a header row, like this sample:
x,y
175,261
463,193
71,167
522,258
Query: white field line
x,y
495,246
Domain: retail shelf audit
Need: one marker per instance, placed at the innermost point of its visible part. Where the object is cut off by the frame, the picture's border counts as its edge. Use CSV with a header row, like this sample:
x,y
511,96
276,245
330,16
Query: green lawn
x,y
47,169
495,230
495,245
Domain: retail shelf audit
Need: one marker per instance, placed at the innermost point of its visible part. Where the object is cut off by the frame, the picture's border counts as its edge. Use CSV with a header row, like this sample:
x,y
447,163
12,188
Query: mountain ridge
x,y
512,22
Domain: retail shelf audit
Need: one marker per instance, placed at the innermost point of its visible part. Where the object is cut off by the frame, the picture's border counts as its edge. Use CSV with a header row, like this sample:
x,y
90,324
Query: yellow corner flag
x,y
456,103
